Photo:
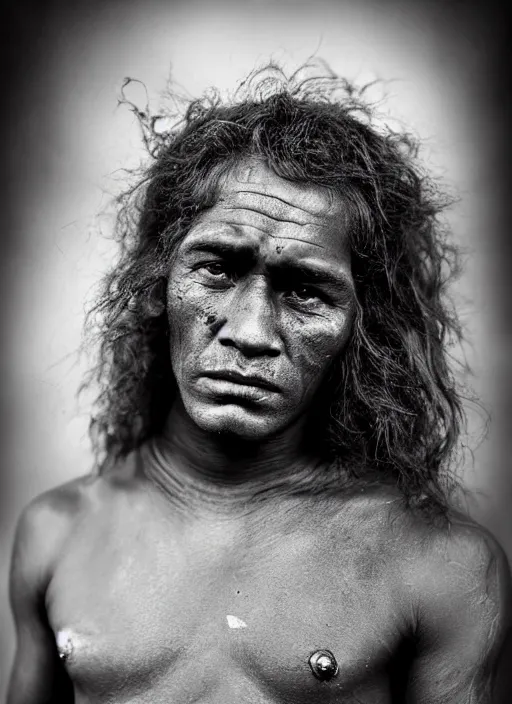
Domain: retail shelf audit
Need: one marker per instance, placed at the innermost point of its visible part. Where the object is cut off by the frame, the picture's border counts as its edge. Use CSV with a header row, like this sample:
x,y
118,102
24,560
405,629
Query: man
x,y
271,520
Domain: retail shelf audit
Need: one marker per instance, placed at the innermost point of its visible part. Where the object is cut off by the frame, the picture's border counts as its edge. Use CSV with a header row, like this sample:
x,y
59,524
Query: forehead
x,y
264,210
252,180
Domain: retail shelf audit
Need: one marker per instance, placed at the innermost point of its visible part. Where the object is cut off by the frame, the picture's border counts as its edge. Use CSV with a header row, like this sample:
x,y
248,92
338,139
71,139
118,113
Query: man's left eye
x,y
305,293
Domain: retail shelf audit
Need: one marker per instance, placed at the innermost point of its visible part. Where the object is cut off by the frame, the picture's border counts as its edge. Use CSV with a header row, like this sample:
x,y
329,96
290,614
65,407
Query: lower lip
x,y
226,387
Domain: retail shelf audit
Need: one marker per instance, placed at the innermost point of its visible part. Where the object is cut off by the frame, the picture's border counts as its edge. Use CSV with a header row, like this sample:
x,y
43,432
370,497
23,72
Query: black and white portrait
x,y
255,355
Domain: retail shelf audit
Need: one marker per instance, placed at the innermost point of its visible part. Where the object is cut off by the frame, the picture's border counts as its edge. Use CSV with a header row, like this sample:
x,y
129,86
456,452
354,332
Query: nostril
x,y
249,346
274,352
251,327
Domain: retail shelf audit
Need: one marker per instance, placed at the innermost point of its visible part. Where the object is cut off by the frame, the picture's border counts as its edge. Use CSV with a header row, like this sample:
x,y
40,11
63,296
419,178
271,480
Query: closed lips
x,y
238,378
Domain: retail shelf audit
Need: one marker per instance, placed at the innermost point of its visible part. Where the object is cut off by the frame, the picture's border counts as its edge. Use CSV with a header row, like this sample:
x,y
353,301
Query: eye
x,y
216,273
215,268
305,293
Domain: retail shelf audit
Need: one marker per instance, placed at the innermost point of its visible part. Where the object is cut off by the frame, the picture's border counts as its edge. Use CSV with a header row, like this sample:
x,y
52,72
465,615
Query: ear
x,y
155,297
149,301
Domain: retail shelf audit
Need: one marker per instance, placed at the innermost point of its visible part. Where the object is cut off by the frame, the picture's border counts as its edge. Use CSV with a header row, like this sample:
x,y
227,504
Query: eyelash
x,y
223,277
212,264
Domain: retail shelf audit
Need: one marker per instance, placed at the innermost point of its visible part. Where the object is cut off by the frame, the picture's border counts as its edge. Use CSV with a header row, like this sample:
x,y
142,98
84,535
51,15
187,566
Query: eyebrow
x,y
223,248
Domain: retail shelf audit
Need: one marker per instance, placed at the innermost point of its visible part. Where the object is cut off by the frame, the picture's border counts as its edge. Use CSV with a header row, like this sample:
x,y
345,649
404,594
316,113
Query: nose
x,y
250,323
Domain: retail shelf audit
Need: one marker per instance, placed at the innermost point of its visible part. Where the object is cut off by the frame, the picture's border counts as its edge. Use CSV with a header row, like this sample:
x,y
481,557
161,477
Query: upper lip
x,y
246,379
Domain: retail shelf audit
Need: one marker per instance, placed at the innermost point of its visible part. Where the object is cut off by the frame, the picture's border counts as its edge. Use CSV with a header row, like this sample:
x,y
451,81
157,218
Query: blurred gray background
x,y
67,142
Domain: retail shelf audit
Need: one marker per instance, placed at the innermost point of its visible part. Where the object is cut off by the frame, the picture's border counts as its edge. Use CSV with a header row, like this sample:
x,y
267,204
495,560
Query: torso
x,y
158,607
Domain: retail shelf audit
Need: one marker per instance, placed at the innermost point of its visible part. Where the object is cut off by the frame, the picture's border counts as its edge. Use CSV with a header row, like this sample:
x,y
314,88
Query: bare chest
x,y
170,614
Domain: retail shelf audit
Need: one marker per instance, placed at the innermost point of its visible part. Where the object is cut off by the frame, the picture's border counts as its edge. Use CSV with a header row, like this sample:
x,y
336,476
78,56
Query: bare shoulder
x,y
460,556
43,527
451,548
50,520
460,589
50,517
451,554
445,565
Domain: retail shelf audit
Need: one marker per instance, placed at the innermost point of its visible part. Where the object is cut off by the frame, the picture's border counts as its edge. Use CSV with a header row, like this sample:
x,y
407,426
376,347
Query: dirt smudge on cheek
x,y
180,314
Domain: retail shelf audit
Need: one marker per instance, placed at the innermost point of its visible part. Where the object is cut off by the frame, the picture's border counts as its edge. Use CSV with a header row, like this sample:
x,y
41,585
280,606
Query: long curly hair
x,y
390,406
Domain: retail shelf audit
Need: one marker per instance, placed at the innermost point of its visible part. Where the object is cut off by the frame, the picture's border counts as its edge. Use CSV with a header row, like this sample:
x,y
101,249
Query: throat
x,y
204,472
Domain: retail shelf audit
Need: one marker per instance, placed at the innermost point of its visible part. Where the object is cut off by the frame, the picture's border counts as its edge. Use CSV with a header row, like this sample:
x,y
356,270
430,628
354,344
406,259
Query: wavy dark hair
x,y
390,406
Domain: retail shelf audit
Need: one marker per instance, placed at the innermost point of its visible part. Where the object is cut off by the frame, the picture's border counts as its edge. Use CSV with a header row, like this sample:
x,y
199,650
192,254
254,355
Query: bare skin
x,y
201,569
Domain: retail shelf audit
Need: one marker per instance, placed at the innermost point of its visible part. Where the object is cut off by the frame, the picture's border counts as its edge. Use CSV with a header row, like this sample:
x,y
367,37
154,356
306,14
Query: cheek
x,y
316,343
191,313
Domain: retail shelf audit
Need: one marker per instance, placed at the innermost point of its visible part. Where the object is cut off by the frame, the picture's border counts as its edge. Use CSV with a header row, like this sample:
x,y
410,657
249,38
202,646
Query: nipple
x,y
323,665
64,645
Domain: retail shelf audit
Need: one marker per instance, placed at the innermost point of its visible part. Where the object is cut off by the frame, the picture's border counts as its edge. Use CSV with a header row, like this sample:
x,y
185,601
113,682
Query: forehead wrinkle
x,y
267,215
252,175
271,235
298,239
276,204
286,202
237,218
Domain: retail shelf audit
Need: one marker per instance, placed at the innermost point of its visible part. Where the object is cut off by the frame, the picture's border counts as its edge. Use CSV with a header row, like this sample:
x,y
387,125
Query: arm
x,y
37,675
463,620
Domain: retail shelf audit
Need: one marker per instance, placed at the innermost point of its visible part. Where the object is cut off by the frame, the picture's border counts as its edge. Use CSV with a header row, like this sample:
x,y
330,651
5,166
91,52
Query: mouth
x,y
251,380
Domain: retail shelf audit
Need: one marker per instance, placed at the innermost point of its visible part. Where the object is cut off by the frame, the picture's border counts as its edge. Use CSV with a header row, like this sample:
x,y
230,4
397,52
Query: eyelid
x,y
292,283
308,287
226,254
225,270
314,296
225,277
212,259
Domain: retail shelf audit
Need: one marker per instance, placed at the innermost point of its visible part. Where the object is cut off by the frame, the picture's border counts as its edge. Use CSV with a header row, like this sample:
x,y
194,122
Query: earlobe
x,y
150,301
156,298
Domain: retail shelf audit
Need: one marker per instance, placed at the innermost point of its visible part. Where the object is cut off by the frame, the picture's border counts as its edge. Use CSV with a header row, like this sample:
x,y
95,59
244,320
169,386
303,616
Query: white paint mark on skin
x,y
63,638
234,622
64,644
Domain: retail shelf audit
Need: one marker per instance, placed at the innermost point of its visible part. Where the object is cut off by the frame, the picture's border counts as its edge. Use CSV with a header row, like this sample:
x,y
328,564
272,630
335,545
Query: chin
x,y
237,421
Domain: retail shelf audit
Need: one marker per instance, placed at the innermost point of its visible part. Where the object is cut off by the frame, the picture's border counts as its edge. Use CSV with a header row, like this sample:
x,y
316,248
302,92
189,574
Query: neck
x,y
203,471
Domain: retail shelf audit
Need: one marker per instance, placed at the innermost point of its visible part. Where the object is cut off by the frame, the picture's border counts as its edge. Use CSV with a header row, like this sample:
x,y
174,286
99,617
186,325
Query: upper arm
x,y
464,613
37,675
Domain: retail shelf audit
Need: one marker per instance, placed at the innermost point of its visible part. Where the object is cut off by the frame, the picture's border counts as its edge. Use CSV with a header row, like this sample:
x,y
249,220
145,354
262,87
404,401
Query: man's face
x,y
260,300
